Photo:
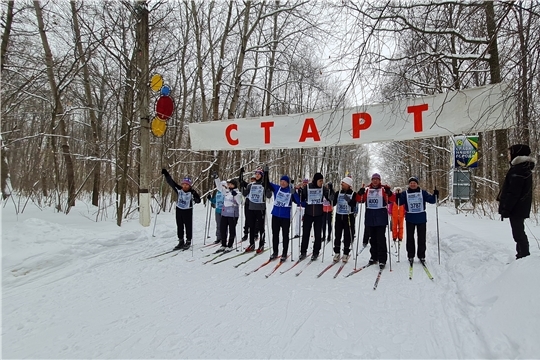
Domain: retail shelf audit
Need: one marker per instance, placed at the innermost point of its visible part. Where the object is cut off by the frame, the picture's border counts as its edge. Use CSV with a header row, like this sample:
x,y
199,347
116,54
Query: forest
x,y
76,101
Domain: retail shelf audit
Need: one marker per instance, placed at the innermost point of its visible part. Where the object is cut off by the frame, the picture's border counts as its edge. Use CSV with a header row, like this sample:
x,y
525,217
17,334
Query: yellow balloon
x,y
156,83
158,127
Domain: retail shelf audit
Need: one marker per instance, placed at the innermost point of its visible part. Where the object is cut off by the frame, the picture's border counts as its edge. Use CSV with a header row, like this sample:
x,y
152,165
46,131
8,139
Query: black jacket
x,y
195,198
314,209
515,197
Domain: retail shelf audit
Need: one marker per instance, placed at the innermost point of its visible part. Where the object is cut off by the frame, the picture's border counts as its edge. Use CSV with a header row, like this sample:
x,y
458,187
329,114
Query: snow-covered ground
x,y
74,288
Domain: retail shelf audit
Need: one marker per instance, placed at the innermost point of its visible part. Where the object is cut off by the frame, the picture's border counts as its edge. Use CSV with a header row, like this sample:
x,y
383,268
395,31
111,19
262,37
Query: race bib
x,y
184,200
374,199
342,207
282,199
256,194
415,202
314,196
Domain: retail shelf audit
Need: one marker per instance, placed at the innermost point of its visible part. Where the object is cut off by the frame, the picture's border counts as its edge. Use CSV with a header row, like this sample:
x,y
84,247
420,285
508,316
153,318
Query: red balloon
x,y
164,107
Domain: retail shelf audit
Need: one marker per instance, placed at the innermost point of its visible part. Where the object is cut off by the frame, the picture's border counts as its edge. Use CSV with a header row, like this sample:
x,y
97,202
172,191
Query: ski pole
x,y
351,242
389,254
300,226
192,237
291,224
358,234
157,212
437,219
208,206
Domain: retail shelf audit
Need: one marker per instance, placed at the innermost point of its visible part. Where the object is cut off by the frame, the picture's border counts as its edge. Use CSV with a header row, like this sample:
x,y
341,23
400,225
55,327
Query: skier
x,y
281,215
515,196
397,211
313,195
344,221
328,210
414,200
230,211
217,203
184,208
376,218
246,208
256,193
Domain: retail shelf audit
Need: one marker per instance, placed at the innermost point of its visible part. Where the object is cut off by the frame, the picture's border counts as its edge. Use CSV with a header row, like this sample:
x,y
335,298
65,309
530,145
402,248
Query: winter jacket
x,y
217,201
515,197
283,211
376,217
232,199
397,209
254,205
416,217
313,209
350,196
194,198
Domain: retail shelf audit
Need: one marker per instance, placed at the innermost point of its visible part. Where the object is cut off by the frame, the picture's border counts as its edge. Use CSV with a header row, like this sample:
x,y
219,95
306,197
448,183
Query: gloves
x,y
330,186
362,191
265,168
242,169
209,197
164,172
436,193
214,175
233,192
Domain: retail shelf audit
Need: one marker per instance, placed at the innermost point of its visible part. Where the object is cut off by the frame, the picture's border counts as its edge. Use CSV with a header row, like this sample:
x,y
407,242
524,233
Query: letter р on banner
x,y
449,114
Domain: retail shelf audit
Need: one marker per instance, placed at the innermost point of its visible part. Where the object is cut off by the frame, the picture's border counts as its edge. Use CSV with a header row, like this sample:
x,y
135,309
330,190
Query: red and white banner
x,y
453,113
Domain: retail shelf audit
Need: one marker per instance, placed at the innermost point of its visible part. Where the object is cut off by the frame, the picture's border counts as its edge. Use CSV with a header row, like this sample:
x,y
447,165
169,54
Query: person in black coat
x,y
515,196
313,195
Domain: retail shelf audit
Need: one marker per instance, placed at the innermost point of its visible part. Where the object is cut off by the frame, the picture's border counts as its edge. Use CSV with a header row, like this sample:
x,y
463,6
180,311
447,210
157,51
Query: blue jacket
x,y
416,218
283,211
213,201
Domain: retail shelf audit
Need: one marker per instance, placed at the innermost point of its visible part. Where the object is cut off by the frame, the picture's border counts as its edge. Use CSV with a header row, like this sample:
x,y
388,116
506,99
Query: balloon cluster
x,y
164,106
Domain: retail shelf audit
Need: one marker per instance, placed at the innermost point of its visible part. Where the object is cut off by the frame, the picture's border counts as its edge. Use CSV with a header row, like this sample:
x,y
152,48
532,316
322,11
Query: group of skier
x,y
317,202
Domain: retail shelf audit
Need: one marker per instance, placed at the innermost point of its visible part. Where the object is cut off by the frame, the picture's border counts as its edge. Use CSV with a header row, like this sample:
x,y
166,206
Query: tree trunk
x,y
96,171
58,108
501,136
143,45
7,32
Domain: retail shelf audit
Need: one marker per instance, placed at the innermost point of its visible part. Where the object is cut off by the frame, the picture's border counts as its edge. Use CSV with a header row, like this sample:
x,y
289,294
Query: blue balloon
x,y
165,90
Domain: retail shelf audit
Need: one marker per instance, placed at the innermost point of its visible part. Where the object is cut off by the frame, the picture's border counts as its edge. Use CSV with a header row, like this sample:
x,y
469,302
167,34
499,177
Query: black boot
x,y
180,245
187,245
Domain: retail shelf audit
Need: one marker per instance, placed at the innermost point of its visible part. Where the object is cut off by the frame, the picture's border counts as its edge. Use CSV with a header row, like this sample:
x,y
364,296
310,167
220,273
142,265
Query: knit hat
x,y
347,180
376,176
305,181
413,178
234,182
317,177
186,180
259,171
519,150
286,178
224,183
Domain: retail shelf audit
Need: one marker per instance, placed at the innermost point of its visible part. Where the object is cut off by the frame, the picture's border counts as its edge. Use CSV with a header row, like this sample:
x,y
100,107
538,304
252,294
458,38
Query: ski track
x,y
94,294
